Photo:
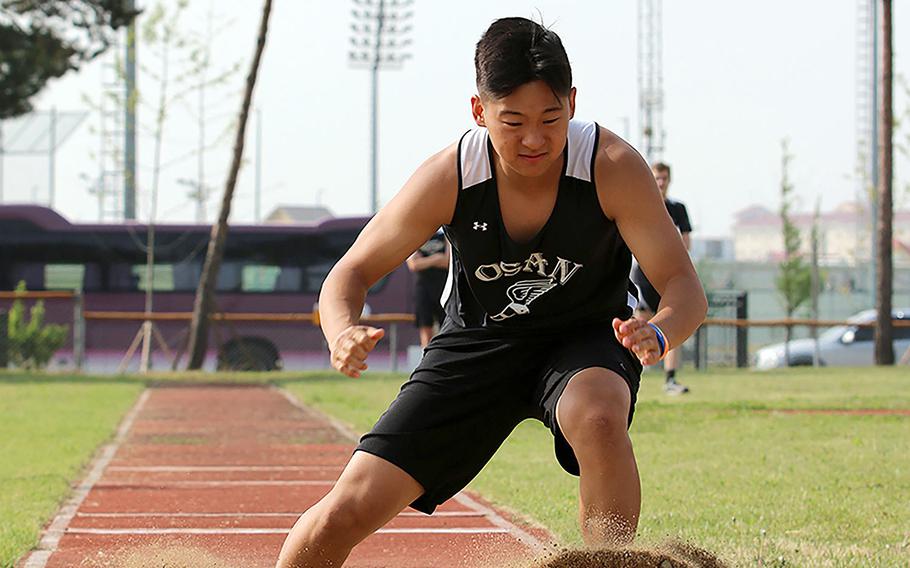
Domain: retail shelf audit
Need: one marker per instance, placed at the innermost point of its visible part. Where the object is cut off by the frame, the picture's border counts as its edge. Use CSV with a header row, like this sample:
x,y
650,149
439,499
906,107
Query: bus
x,y
266,269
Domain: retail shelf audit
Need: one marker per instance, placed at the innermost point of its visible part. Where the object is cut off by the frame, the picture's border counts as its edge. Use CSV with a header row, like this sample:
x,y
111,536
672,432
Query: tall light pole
x,y
378,41
650,78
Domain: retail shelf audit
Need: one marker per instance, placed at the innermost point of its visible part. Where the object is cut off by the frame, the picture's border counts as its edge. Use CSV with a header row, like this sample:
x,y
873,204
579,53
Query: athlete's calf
x,y
593,414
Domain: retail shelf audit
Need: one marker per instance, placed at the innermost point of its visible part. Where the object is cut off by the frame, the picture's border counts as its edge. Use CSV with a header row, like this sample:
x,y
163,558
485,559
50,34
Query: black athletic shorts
x,y
473,387
648,297
428,310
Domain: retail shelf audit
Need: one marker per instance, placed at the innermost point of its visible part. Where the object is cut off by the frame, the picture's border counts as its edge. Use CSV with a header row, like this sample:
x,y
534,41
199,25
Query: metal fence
x,y
106,341
722,345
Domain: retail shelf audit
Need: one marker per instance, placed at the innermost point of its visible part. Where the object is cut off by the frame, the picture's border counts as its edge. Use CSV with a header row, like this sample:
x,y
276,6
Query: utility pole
x,y
378,41
884,333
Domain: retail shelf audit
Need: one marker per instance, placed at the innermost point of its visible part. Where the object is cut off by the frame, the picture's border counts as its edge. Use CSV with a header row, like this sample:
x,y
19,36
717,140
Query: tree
x,y
201,71
884,333
795,278
32,343
43,39
816,280
178,63
205,292
177,72
160,29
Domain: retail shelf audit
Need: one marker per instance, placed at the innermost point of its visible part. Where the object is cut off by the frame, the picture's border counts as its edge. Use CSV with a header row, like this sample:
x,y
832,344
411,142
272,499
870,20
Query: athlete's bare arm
x,y
629,195
426,202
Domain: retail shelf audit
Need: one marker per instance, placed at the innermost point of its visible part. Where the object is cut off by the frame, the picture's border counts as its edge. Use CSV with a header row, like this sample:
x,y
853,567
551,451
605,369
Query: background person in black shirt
x,y
430,265
649,298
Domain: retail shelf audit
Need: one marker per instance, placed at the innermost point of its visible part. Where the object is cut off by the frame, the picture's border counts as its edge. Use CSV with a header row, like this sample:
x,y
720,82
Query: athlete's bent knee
x,y
595,408
343,522
597,425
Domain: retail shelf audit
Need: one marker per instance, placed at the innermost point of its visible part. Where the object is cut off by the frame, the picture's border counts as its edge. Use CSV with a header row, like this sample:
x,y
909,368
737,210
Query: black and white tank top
x,y
575,270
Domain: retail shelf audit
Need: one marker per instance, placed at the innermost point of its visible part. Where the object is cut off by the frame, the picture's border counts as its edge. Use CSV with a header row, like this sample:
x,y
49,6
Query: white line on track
x,y
142,532
495,518
230,483
523,536
338,425
60,525
458,514
54,532
225,468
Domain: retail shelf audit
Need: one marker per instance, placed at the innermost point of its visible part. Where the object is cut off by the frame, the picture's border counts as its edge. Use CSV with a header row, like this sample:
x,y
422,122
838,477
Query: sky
x,y
739,77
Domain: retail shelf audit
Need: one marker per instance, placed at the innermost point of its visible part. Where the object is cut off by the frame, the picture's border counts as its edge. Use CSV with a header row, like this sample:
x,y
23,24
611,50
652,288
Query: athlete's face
x,y
528,128
663,181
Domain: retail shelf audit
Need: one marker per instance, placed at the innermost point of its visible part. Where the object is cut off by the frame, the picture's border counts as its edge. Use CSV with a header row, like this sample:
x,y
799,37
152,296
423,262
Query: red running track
x,y
215,476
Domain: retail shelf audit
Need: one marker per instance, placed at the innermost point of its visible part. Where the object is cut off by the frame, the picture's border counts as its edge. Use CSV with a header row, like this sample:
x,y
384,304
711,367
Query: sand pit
x,y
670,555
160,557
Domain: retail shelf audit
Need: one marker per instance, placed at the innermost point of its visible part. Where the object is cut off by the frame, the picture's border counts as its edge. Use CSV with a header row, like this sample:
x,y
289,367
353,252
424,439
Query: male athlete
x,y
541,212
649,298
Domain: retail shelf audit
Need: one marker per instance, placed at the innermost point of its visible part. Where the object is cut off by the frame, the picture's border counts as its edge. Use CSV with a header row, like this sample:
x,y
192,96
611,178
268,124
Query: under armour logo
x,y
478,226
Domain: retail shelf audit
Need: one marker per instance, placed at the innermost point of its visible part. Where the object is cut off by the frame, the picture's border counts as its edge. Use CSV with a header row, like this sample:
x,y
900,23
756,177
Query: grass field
x,y
49,429
720,468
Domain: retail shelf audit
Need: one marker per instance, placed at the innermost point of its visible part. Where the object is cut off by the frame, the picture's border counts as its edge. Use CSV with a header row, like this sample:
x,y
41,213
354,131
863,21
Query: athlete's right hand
x,y
352,346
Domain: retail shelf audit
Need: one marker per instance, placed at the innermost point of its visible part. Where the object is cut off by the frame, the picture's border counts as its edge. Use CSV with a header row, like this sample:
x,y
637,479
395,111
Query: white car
x,y
843,345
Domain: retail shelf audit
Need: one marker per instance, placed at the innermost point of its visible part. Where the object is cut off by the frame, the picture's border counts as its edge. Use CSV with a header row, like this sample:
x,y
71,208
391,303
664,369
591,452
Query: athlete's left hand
x,y
638,337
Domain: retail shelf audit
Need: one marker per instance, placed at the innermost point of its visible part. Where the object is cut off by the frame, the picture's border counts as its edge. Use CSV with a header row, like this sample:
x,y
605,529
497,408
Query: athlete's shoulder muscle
x,y
426,202
621,175
629,196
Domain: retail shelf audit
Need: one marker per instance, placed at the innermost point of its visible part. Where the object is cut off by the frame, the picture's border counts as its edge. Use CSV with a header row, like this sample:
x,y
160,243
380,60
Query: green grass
x,y
49,429
719,468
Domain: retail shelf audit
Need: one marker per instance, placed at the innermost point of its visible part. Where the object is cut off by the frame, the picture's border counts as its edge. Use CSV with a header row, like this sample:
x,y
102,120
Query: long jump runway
x,y
215,476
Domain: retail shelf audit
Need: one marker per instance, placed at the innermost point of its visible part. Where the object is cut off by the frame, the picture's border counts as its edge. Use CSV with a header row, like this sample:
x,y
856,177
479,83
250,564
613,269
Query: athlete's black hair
x,y
516,51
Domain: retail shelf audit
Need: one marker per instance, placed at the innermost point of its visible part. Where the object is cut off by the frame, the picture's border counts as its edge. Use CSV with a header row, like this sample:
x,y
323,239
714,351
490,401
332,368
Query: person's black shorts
x,y
428,310
648,297
470,391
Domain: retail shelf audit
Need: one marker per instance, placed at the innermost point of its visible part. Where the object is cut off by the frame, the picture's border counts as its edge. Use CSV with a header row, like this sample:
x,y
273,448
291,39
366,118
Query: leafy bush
x,y
32,343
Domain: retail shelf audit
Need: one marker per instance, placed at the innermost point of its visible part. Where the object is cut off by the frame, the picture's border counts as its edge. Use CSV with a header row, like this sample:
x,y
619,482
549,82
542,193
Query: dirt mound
x,y
671,555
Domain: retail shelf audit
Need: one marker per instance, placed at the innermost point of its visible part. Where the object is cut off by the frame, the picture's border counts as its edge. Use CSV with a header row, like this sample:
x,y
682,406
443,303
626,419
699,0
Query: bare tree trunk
x,y
788,337
816,282
148,326
884,344
205,292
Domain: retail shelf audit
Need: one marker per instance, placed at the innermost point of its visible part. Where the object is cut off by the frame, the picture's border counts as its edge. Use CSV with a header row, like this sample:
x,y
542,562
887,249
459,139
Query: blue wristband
x,y
661,339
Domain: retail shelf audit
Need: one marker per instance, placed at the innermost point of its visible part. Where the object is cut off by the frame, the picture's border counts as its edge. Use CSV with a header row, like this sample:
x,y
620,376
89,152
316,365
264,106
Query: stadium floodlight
x,y
379,41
